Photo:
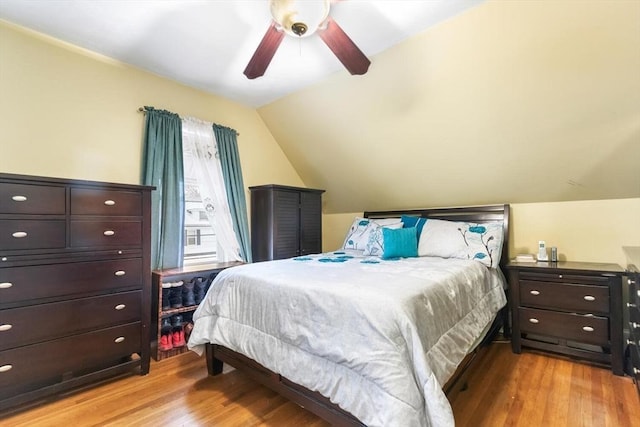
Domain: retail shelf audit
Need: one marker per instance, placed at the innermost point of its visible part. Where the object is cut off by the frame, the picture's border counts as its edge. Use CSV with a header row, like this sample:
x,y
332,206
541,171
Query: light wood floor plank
x,y
505,389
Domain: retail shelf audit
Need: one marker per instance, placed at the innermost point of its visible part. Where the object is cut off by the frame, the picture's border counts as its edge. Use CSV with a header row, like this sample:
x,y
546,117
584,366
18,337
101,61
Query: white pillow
x,y
375,245
358,234
464,240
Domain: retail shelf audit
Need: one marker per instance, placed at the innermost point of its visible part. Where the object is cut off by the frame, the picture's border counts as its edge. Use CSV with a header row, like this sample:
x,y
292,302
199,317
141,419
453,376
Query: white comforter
x,y
378,339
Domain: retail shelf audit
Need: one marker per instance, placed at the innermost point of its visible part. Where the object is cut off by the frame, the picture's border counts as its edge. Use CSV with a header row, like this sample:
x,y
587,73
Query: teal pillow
x,y
401,242
413,221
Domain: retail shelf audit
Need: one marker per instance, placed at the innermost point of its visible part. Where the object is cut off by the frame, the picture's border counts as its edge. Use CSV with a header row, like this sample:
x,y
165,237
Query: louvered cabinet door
x,y
310,223
285,222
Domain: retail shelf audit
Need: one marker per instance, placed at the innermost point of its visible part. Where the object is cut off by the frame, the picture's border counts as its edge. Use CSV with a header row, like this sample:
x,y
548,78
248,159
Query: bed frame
x,y
218,355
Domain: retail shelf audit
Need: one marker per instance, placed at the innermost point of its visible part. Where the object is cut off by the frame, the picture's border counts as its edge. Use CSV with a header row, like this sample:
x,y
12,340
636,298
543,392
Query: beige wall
x,y
509,101
66,112
590,231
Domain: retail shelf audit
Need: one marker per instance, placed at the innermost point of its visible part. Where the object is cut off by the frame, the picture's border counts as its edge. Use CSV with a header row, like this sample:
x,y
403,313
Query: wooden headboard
x,y
477,214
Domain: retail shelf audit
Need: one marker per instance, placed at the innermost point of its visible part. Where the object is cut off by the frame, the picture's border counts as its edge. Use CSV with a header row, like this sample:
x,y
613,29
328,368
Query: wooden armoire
x,y
285,221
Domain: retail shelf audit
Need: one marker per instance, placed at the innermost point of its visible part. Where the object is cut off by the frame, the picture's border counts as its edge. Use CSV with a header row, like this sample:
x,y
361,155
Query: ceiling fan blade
x,y
264,52
344,48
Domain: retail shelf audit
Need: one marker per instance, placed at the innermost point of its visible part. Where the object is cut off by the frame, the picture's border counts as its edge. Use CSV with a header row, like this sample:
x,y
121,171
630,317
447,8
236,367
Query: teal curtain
x,y
226,139
163,168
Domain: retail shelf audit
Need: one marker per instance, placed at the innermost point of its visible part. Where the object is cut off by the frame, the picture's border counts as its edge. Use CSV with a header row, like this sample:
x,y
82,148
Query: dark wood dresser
x,y
75,284
633,310
285,222
572,308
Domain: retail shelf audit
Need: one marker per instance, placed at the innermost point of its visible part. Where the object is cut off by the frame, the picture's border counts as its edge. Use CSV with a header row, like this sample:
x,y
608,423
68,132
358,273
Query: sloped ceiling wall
x,y
515,102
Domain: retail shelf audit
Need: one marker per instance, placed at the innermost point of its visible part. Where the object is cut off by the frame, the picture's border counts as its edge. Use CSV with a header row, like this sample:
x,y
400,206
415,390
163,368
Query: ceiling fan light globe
x,y
291,15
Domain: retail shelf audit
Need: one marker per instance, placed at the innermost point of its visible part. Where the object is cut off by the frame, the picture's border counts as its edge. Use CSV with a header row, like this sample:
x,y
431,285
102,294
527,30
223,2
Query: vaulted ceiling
x,y
492,102
512,102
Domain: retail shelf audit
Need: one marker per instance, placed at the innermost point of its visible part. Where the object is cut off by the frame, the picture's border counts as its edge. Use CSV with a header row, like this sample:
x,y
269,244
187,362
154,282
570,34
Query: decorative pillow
x,y
375,245
402,242
451,239
358,234
413,221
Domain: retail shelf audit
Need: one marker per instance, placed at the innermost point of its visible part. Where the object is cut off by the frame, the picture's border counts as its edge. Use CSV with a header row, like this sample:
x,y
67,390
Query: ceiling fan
x,y
301,18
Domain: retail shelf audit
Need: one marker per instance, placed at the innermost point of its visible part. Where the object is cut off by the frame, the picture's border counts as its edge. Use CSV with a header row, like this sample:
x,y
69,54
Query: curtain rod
x,y
142,110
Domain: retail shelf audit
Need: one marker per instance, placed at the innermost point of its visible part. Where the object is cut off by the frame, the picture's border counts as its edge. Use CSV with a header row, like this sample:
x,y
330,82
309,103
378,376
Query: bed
x,y
363,335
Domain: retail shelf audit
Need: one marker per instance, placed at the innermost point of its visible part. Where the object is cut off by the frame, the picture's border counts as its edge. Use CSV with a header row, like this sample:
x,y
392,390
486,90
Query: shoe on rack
x,y
166,292
165,326
177,338
200,289
176,322
166,342
187,293
175,297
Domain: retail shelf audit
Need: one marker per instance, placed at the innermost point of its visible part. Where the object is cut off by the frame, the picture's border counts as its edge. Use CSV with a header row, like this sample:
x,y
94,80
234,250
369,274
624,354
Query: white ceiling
x,y
207,44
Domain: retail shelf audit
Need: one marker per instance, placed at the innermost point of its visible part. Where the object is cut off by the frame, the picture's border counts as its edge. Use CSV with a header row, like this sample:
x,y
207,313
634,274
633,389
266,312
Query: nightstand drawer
x,y
565,296
36,323
565,278
575,327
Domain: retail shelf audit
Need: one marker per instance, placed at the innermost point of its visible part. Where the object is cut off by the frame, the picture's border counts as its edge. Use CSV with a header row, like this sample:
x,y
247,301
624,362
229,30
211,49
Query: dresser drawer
x,y
565,296
32,199
91,201
574,327
28,367
18,234
106,233
634,354
32,324
56,280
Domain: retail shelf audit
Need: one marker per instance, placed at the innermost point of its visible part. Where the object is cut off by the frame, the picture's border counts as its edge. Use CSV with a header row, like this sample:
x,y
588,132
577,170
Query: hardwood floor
x,y
505,389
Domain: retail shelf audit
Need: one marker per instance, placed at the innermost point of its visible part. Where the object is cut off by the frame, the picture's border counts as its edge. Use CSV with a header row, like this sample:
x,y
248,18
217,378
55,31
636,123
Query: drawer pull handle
x,y
589,298
534,320
109,233
5,327
636,371
587,329
635,325
119,273
109,202
120,307
19,234
534,292
6,285
119,340
630,305
5,368
19,198
638,292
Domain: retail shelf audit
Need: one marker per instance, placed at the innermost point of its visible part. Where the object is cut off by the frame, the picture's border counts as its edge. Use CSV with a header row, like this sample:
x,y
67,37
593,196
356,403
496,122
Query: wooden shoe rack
x,y
186,274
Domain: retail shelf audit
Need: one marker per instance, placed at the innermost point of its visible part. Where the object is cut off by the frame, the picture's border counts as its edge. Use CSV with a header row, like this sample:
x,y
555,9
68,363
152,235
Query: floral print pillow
x,y
359,232
452,239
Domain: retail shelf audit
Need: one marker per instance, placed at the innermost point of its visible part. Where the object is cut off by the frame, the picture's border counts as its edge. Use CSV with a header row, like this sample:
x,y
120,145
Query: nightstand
x,y
571,308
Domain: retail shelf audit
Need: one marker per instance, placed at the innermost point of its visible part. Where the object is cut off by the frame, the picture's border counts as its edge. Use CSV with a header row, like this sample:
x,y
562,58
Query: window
x,y
200,242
